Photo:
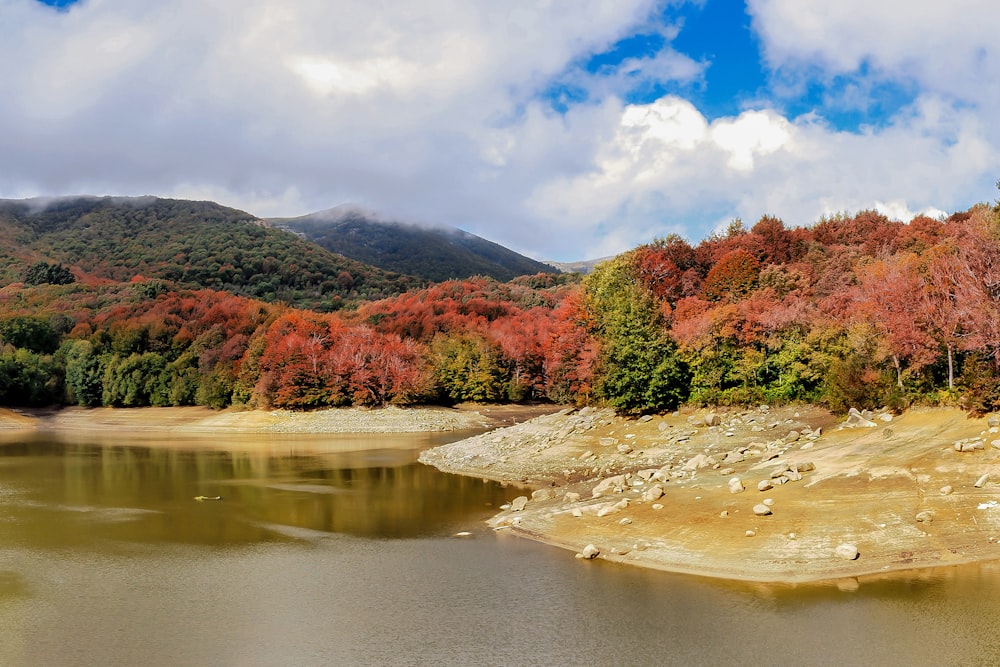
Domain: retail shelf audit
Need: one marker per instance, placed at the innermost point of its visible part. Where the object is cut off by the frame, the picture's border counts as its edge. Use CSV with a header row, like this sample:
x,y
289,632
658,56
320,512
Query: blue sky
x,y
566,130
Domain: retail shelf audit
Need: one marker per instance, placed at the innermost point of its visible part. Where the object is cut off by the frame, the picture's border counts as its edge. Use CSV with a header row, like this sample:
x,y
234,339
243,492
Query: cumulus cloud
x,y
437,112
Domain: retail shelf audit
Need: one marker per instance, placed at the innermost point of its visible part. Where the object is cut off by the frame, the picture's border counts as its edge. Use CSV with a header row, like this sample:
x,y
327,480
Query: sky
x,y
563,129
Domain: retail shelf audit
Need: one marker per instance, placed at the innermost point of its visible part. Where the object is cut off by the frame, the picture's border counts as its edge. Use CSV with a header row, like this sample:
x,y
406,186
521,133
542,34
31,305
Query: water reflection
x,y
106,558
59,494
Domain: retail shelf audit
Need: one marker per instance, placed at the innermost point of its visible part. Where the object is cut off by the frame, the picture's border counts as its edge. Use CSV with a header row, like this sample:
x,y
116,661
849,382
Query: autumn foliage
x,y
851,311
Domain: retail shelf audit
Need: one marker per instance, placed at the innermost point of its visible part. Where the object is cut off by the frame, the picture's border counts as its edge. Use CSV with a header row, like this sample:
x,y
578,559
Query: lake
x,y
343,550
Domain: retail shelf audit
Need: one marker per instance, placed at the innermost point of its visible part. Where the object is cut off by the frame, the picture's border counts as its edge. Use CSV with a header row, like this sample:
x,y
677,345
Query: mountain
x,y
190,243
583,266
431,253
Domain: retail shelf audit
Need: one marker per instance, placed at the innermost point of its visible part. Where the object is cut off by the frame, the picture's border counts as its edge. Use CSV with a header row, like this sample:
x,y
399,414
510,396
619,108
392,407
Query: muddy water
x,y
343,551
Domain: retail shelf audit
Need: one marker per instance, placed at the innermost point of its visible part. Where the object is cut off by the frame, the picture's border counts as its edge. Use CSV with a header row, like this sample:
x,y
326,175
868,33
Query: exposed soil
x,y
880,488
204,420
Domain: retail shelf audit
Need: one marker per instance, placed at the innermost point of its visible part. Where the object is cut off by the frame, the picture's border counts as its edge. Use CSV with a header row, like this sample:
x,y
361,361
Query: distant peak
x,y
338,213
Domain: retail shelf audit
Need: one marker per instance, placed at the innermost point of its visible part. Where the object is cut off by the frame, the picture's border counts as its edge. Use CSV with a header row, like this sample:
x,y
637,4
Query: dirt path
x,y
658,492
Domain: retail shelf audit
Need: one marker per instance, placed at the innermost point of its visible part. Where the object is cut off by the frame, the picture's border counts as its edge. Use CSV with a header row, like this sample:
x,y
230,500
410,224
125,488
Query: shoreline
x,y
202,421
680,493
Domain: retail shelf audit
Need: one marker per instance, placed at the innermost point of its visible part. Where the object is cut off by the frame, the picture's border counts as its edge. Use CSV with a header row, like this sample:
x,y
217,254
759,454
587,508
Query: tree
x,y
732,277
31,333
84,384
44,273
638,368
892,298
467,368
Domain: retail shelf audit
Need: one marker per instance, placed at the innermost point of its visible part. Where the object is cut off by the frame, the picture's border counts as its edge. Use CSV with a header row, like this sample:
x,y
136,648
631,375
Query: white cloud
x,y
752,133
429,111
947,46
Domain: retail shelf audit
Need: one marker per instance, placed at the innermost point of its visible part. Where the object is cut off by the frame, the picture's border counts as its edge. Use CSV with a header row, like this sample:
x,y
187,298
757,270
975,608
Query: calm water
x,y
340,551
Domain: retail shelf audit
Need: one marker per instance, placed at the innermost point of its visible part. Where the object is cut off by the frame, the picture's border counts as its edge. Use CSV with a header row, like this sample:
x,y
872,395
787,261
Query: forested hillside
x,y
850,311
432,253
138,344
192,244
853,311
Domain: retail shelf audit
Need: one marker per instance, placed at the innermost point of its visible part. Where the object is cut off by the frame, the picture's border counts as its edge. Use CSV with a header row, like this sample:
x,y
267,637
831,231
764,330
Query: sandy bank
x,y
677,494
197,420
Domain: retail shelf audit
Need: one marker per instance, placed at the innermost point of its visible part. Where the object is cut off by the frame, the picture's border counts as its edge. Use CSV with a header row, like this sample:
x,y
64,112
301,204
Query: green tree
x,y
84,375
44,273
30,333
467,368
136,380
638,369
28,379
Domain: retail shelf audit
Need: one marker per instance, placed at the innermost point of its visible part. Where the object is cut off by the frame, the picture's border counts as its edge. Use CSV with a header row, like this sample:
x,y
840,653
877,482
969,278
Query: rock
x,y
769,455
792,476
541,494
518,503
590,552
856,419
577,512
586,455
654,492
724,514
768,501
607,442
624,448
925,516
847,552
624,522
726,472
571,497
994,421
697,461
946,490
736,485
712,419
849,585
647,474
808,466
645,418
657,506
764,485
621,504
982,481
751,533
995,444
761,510
615,484
970,445
733,457
792,436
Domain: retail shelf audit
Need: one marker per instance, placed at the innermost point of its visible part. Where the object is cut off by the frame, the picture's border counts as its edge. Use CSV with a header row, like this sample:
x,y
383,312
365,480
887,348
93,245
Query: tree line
x,y
855,310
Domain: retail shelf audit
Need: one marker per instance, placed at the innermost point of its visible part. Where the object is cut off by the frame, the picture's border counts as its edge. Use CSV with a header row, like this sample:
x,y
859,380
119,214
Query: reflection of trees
x,y
80,493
